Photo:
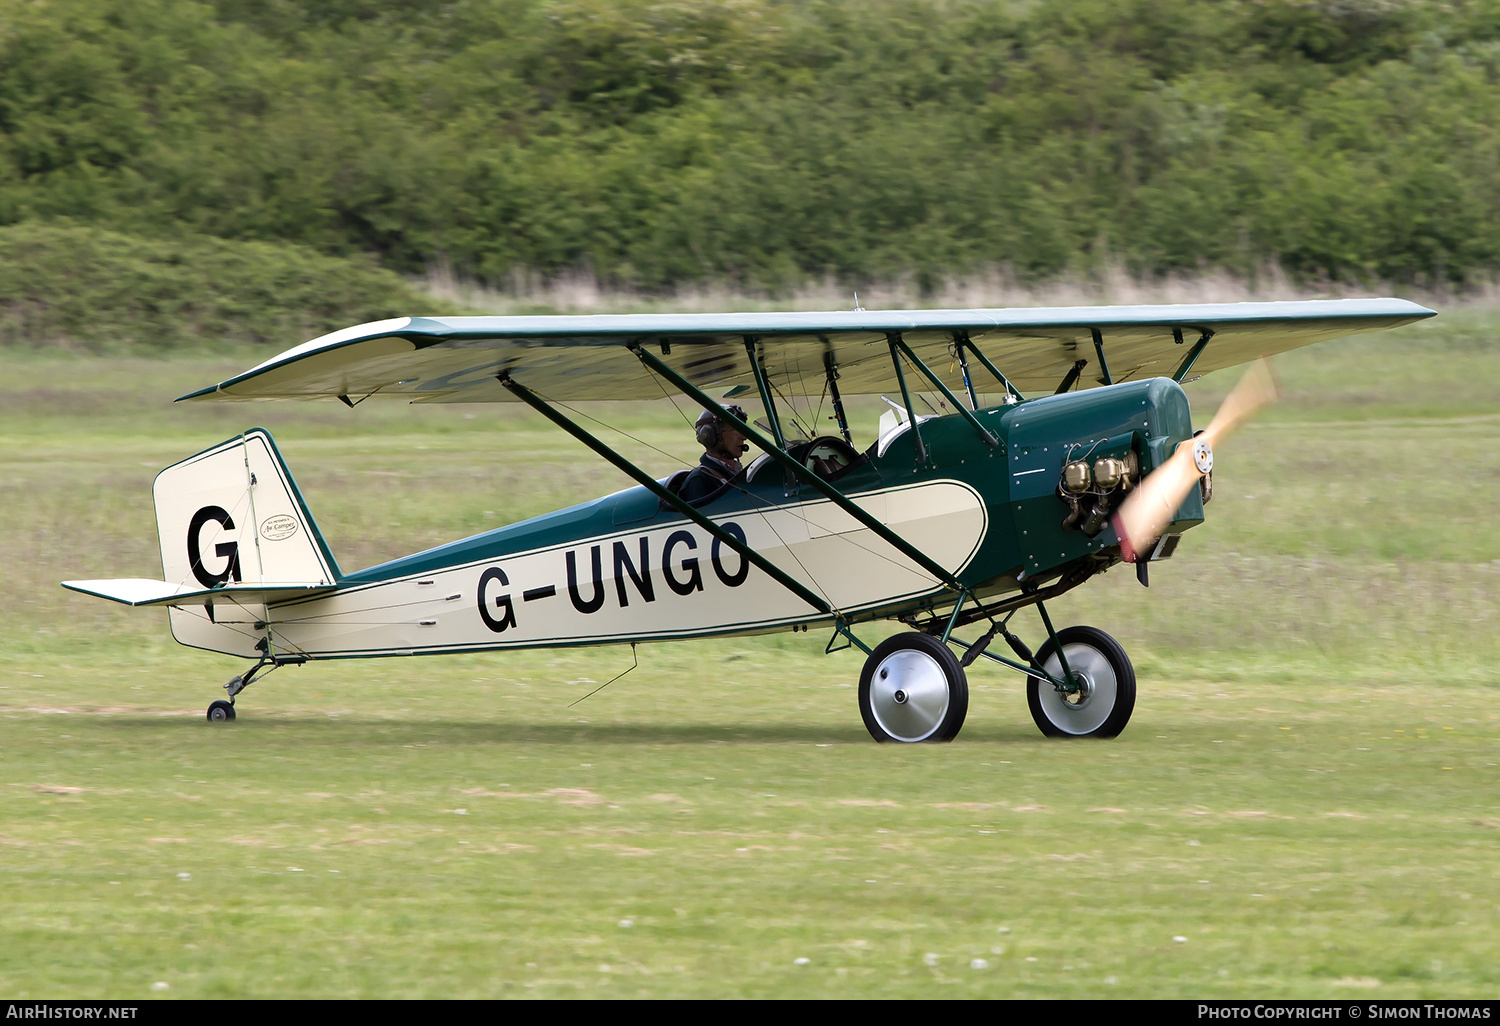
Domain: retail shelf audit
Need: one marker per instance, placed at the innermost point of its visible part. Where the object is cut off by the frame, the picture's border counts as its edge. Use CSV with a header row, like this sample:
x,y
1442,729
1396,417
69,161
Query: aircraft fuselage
x,y
626,568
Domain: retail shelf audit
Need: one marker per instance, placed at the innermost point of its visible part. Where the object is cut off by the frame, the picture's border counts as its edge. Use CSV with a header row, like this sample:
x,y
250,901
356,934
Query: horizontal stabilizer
x,y
138,591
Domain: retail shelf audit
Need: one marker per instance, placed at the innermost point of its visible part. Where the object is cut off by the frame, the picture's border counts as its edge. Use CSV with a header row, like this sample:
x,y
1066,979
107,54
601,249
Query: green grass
x,y
1306,794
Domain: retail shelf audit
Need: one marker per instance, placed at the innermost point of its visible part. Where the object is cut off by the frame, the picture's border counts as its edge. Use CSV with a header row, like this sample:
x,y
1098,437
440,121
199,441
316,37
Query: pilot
x,y
723,446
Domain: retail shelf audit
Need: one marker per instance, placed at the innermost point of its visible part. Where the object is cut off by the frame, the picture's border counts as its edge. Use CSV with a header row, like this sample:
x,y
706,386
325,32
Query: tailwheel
x,y
912,689
220,712
1105,695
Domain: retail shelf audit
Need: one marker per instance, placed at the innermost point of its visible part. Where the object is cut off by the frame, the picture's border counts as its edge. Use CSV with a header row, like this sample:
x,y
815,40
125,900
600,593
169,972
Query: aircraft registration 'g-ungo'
x,y
1084,457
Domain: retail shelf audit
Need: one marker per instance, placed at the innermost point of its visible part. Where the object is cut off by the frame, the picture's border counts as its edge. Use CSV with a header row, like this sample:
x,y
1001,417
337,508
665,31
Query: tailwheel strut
x,y
221,711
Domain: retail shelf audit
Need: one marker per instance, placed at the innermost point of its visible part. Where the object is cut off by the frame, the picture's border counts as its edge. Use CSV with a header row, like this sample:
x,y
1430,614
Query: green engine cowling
x,y
1132,428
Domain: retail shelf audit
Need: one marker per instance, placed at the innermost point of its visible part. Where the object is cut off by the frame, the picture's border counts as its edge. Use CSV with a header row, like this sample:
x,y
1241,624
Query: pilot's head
x,y
720,438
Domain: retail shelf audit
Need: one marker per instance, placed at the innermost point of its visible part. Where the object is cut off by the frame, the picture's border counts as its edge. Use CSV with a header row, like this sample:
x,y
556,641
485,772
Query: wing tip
x,y
201,393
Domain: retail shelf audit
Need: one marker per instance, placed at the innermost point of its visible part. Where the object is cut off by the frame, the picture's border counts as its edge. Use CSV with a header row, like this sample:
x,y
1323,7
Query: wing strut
x,y
765,389
1193,353
831,366
1071,377
916,428
1109,378
838,498
536,402
984,432
964,342
963,366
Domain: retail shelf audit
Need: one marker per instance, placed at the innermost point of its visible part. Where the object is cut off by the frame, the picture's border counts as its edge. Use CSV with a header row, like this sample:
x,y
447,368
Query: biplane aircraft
x,y
1085,457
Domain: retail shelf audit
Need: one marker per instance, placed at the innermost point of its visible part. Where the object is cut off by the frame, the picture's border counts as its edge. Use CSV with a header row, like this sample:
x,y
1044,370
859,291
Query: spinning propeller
x,y
1147,510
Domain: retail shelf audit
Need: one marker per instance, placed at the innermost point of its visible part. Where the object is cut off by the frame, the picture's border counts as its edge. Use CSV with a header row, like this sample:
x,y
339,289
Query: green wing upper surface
x,y
457,359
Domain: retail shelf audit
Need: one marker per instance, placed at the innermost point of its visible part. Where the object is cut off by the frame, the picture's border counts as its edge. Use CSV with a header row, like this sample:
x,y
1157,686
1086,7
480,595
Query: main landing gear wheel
x,y
912,689
220,712
1103,705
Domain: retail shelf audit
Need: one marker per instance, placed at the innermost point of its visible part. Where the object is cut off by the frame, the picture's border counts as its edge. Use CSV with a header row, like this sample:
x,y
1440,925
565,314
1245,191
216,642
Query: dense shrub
x,y
765,141
99,290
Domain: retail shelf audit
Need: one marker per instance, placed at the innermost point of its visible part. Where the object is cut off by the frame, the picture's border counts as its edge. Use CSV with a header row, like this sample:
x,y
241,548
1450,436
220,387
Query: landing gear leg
x,y
1079,684
222,711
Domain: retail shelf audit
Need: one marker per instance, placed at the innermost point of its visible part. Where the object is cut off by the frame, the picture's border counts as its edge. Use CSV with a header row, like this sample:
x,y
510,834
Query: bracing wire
x,y
634,662
622,431
670,398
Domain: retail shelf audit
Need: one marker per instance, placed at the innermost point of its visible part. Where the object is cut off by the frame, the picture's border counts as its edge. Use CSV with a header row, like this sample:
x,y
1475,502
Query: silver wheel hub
x,y
1079,697
909,695
1085,710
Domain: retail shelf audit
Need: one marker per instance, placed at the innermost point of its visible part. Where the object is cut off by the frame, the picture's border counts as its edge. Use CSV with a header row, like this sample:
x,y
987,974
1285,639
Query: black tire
x,y
912,689
220,712
1105,708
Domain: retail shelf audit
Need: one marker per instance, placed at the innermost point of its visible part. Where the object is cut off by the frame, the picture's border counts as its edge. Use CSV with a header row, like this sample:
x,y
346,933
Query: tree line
x,y
765,142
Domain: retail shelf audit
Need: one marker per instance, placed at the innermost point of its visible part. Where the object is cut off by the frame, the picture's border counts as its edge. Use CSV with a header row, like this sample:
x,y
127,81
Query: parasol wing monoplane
x,y
1087,458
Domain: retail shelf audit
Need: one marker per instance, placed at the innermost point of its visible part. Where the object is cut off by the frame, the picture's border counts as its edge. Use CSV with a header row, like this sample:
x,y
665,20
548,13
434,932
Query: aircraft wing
x,y
456,359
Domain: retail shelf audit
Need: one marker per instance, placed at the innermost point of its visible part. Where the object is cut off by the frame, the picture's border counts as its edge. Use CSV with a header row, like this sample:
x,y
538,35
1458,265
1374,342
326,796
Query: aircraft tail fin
x,y
232,515
236,537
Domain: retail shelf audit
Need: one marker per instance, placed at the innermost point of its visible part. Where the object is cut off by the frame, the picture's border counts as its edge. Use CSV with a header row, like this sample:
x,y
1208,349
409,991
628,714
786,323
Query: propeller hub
x,y
1203,455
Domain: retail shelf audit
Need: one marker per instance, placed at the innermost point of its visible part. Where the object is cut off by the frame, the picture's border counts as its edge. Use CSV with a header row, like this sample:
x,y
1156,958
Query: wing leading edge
x,y
457,359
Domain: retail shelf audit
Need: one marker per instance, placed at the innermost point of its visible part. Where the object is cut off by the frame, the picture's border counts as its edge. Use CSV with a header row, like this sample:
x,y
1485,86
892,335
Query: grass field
x,y
1305,803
